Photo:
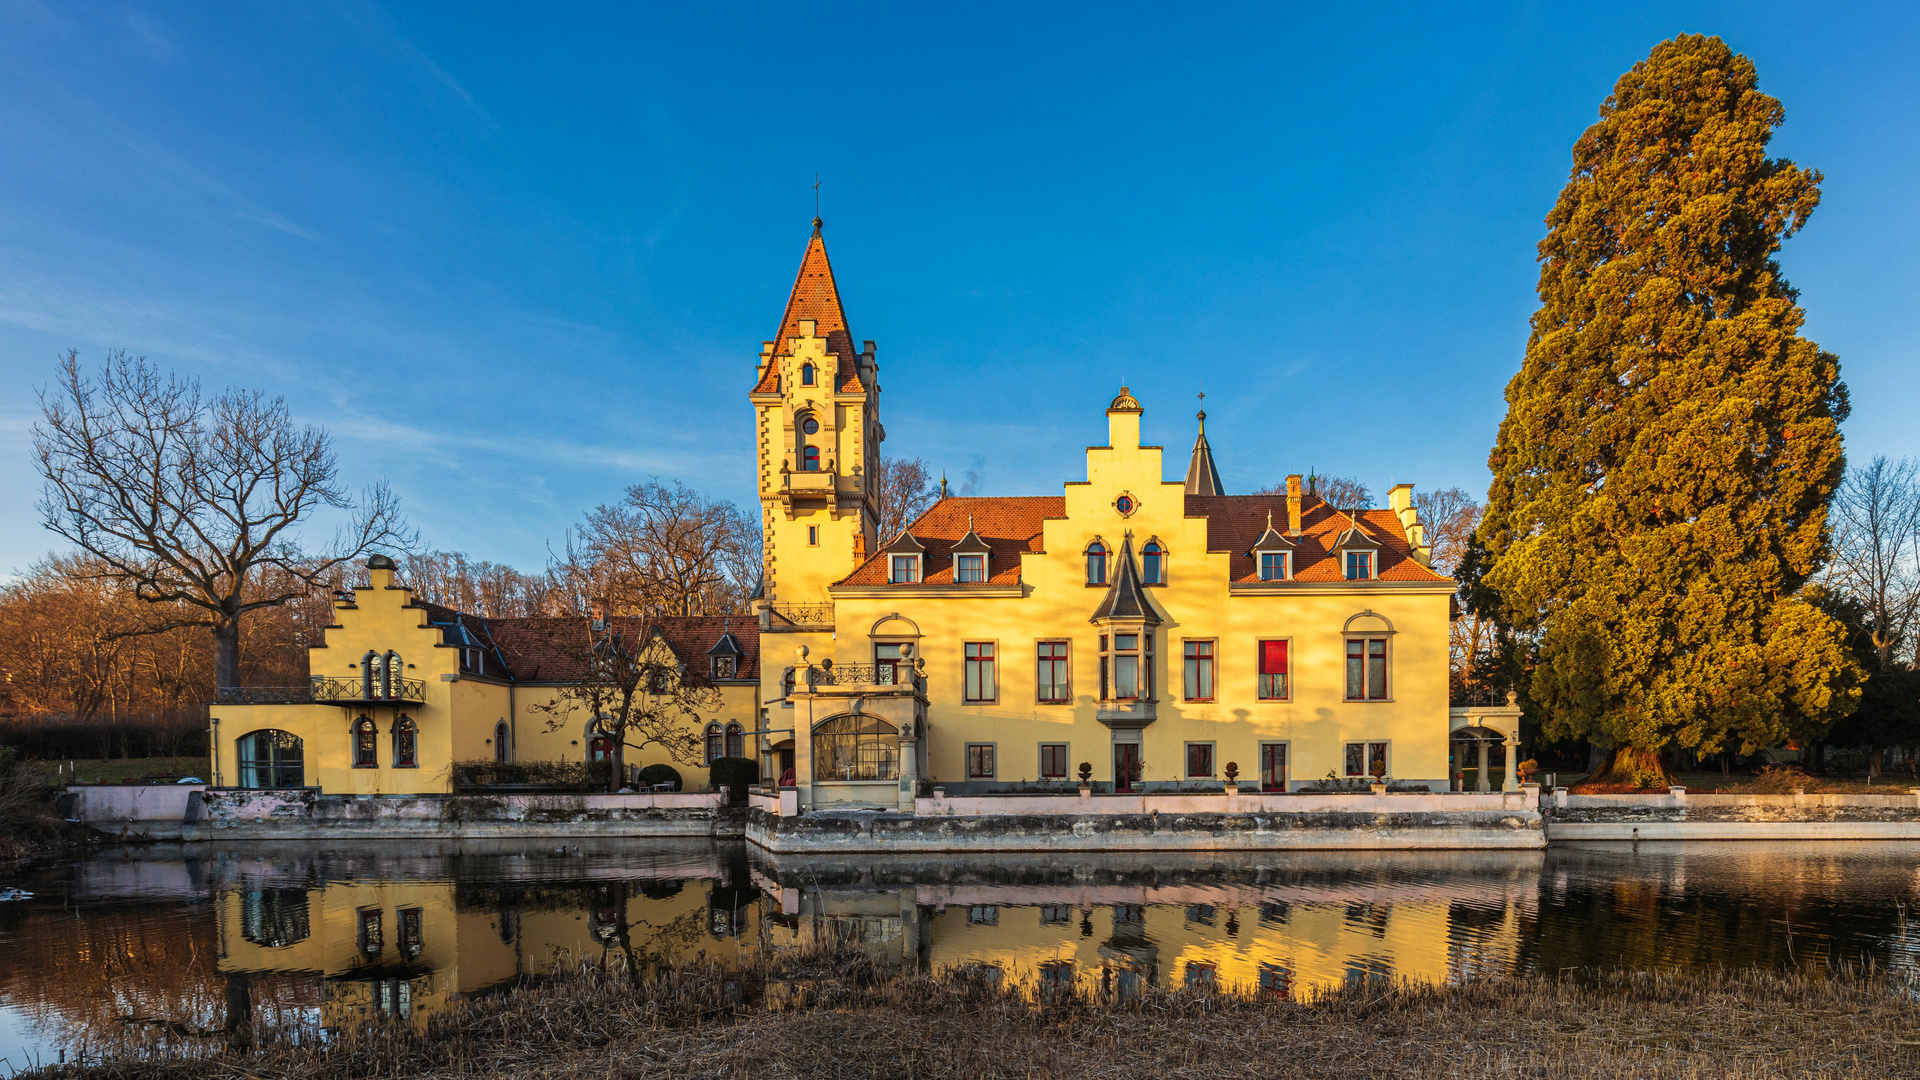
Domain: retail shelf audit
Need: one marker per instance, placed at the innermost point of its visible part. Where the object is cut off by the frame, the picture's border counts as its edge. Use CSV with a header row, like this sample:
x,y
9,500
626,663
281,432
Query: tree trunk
x,y
1875,757
617,764
226,653
1629,769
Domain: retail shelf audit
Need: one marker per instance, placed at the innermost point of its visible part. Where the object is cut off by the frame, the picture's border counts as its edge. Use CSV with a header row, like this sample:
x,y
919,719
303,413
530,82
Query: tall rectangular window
x,y
906,569
1199,760
1053,761
888,658
813,535
1366,759
1053,688
1199,670
980,764
1367,669
1128,684
1273,766
1359,566
970,569
981,686
1273,566
1273,671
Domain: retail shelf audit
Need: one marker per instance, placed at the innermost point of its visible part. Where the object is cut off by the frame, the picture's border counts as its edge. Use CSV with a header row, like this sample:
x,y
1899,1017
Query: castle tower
x,y
817,428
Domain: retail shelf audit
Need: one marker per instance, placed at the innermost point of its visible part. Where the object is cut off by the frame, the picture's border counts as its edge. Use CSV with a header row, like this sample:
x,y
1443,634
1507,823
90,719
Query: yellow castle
x,y
1132,631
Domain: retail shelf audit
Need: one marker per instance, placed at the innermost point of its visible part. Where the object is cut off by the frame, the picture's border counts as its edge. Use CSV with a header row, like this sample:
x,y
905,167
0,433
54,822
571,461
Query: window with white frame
x,y
1126,665
970,569
1359,566
1367,759
1053,682
906,570
980,763
1153,564
1274,670
1275,565
1096,563
1053,761
982,688
1366,669
1199,760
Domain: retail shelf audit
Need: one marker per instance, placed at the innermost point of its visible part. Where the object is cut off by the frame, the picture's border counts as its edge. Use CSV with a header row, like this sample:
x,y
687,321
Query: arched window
x,y
1153,566
371,679
810,459
500,737
786,686
406,744
806,375
715,746
856,748
809,453
365,746
394,668
271,759
600,747
736,741
275,918
1096,563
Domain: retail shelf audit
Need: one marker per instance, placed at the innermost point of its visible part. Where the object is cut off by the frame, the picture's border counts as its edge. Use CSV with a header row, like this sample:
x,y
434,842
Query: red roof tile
x,y
552,649
1010,525
1235,522
816,297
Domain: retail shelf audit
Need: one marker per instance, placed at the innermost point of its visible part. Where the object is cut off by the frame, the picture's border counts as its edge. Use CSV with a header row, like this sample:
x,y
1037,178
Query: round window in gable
x,y
1125,504
810,426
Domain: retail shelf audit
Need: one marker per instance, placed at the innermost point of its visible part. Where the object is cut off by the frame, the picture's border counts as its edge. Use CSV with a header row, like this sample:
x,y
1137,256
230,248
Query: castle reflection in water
x,y
202,942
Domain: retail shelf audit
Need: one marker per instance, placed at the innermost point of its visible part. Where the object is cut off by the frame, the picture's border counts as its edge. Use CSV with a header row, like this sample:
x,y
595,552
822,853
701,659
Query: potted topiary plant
x,y
1086,779
1233,778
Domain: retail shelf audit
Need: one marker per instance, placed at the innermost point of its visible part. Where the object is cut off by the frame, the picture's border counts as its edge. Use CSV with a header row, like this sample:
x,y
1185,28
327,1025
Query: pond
x,y
180,943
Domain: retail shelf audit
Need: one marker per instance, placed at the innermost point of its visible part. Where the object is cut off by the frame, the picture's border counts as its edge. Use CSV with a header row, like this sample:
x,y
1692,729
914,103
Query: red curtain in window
x,y
1273,658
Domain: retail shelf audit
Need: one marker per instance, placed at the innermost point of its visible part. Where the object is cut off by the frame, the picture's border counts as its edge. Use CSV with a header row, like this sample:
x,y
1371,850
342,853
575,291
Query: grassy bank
x,y
125,770
840,1015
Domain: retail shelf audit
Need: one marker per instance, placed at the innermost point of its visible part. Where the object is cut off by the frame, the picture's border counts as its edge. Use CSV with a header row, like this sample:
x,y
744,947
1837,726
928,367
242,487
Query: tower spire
x,y
1202,477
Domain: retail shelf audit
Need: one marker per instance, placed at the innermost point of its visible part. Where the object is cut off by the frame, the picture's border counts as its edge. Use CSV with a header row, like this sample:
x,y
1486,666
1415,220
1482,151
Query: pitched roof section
x,y
1202,477
1009,526
1125,598
1235,524
816,297
554,649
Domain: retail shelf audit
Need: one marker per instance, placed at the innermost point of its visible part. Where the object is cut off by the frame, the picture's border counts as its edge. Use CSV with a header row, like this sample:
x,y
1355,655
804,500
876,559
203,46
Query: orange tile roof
x,y
1235,522
816,297
1009,524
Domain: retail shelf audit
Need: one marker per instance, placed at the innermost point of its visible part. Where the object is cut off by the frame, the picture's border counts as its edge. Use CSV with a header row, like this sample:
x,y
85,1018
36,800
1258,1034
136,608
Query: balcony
x,y
820,483
800,617
900,674
322,690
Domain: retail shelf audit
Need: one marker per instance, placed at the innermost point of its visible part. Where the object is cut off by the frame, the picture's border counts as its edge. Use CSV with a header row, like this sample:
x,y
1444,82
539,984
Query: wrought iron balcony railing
x,y
805,614
325,690
1479,697
862,675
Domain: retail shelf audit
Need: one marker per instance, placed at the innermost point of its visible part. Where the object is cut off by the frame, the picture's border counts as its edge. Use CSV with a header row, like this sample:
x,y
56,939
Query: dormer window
x,y
906,570
1359,566
1153,564
970,569
807,376
1273,554
1273,565
723,667
1096,563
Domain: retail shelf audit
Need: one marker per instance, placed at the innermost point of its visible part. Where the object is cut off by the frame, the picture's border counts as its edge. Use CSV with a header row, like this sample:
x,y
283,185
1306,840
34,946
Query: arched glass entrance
x,y
856,748
271,759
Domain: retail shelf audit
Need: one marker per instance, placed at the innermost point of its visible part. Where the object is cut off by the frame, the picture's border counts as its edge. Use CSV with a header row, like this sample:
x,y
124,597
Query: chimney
x,y
1293,505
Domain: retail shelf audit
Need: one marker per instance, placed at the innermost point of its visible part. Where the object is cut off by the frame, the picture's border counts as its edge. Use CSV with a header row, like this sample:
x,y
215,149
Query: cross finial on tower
x,y
816,203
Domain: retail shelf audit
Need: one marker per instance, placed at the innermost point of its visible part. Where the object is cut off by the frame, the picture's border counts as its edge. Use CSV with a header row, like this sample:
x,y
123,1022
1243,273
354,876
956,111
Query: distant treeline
x,y
54,740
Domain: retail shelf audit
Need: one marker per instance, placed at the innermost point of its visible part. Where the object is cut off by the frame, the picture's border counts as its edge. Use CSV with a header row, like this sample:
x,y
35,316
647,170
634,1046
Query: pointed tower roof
x,y
1202,477
816,297
1125,598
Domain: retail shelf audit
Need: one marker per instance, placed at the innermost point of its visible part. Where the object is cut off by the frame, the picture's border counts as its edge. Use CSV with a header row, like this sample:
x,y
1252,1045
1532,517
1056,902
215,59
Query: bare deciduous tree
x,y
488,589
1343,492
634,692
1876,539
906,490
192,500
664,550
1450,516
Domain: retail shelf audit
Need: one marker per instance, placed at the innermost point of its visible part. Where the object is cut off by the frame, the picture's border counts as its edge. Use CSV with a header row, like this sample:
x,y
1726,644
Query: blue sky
x,y
518,257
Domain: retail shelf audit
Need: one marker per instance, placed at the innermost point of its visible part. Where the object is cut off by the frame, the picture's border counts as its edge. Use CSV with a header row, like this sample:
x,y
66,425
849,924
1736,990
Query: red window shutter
x,y
1273,658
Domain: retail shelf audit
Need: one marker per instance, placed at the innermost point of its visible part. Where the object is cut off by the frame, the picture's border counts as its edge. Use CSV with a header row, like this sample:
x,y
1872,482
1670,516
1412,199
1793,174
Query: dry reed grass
x,y
843,1015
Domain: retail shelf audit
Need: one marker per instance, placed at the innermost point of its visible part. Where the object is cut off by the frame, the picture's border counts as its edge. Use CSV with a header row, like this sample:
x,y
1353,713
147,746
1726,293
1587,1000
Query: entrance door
x,y
1273,767
1126,764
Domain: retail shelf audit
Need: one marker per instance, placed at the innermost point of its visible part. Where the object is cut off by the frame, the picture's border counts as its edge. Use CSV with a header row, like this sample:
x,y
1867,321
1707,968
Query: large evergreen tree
x,y
1671,442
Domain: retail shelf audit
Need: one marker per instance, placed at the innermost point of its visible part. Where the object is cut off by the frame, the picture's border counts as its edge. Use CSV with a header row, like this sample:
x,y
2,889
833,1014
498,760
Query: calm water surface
x,y
178,944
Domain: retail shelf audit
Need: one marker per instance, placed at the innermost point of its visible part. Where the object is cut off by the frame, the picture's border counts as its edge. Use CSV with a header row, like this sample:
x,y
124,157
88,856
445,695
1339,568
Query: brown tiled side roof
x,y
816,297
550,649
1235,522
1010,525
